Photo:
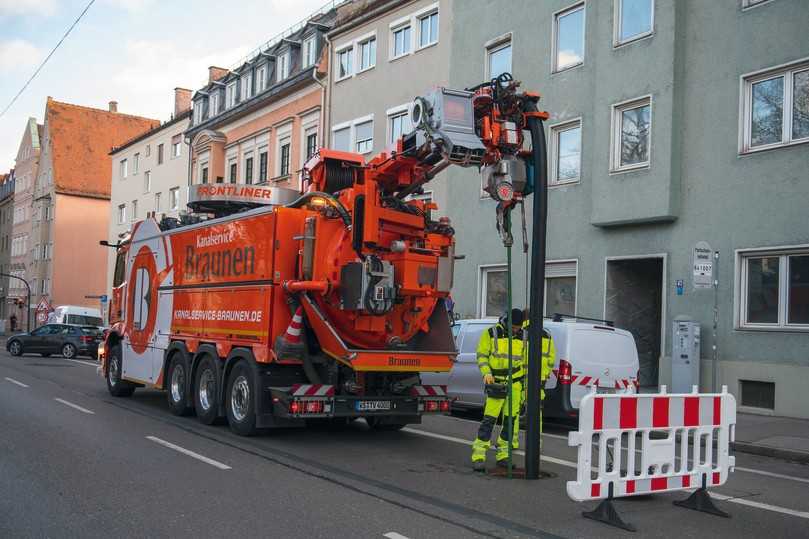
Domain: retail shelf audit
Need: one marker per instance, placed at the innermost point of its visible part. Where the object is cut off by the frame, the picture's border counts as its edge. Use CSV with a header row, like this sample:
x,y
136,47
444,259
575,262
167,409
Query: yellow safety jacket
x,y
492,353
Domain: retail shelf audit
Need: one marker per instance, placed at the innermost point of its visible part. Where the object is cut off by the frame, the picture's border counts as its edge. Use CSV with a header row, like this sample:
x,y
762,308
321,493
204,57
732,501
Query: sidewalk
x,y
770,436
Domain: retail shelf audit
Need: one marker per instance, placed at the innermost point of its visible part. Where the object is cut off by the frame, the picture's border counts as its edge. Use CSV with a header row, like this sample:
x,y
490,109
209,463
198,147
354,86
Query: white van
x,y
74,314
587,354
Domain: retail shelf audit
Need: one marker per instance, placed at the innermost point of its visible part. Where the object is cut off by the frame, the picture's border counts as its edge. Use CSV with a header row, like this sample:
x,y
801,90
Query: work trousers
x,y
491,412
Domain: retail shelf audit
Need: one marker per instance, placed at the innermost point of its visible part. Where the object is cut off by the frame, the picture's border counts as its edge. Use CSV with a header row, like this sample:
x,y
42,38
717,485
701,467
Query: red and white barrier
x,y
690,448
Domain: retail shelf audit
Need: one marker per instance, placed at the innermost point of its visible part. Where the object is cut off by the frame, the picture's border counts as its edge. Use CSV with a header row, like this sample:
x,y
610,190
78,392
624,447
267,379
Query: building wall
x,y
259,131
172,173
78,268
26,168
393,83
6,216
698,186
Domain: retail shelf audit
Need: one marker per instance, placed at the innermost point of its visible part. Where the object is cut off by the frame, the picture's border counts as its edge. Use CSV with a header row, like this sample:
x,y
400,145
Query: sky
x,y
131,51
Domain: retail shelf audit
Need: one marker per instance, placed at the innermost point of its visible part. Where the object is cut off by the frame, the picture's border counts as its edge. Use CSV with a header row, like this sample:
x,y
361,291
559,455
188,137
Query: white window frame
x,y
213,104
121,215
555,36
157,202
230,95
364,40
134,216
483,269
283,66
203,165
616,35
174,198
261,78
135,163
283,135
417,18
340,127
615,138
349,49
245,156
309,51
555,131
178,146
395,112
198,108
787,71
123,168
495,45
147,181
354,141
562,275
246,86
740,299
310,124
397,26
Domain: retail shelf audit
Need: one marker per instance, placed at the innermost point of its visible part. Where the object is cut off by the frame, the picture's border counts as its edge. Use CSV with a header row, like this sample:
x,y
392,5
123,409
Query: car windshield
x,y
472,336
84,320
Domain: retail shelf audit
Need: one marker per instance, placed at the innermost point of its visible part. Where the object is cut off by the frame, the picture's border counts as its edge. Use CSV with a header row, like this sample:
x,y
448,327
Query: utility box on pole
x,y
685,355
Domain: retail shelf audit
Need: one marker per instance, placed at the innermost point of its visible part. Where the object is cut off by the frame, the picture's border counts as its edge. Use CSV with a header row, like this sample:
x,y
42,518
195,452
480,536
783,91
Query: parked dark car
x,y
68,340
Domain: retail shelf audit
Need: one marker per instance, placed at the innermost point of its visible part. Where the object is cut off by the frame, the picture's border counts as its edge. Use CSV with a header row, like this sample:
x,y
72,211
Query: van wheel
x,y
206,391
179,402
115,385
240,400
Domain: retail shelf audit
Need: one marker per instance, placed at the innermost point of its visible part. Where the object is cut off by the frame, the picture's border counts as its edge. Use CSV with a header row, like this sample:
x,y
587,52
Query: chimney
x,y
182,101
113,106
216,73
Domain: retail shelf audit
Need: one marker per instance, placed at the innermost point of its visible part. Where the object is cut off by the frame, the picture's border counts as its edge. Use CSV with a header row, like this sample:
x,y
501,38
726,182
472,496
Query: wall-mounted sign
x,y
679,284
703,265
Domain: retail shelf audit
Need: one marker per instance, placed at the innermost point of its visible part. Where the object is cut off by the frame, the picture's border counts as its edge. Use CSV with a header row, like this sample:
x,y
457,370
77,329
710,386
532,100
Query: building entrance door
x,y
634,301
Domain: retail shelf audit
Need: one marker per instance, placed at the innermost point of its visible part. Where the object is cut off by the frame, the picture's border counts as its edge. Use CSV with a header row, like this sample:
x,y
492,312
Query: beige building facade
x,y
149,176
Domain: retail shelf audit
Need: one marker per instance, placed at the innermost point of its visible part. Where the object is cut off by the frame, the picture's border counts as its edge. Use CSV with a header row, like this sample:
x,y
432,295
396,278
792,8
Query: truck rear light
x,y
565,372
307,407
431,406
445,406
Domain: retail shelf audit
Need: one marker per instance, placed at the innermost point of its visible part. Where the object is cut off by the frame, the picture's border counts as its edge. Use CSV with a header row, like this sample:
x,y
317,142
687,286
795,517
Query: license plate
x,y
373,406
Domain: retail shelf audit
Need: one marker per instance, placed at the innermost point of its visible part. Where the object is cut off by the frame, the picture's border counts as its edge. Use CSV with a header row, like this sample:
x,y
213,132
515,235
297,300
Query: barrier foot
x,y
700,500
606,513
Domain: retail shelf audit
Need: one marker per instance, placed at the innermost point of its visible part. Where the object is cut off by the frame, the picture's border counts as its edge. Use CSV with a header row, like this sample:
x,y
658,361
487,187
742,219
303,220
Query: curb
x,y
801,457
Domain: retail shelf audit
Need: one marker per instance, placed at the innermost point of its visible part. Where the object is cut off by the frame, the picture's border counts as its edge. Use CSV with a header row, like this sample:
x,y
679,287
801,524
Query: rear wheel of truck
x,y
206,391
240,400
177,387
115,385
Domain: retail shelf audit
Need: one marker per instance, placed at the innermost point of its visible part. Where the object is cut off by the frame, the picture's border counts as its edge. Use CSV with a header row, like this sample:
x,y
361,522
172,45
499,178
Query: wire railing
x,y
328,6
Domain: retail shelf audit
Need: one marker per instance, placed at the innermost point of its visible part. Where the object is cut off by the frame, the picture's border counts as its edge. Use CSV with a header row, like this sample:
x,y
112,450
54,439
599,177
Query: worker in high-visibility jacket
x,y
493,357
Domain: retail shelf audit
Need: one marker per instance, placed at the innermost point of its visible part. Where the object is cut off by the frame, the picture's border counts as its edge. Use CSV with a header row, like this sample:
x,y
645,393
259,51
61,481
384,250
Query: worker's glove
x,y
488,379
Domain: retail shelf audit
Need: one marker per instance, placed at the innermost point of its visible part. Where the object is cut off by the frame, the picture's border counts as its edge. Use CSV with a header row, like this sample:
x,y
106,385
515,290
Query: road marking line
x,y
738,468
13,381
76,406
190,453
394,535
729,499
82,362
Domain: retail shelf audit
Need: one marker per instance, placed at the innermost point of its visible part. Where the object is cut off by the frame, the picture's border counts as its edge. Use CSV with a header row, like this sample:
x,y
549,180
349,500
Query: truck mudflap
x,y
321,400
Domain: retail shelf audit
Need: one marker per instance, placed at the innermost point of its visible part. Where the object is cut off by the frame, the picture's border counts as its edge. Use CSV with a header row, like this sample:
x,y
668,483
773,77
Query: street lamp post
x,y
28,287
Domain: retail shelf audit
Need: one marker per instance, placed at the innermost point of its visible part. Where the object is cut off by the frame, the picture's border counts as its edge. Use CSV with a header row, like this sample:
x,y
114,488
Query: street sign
x,y
104,298
703,265
43,305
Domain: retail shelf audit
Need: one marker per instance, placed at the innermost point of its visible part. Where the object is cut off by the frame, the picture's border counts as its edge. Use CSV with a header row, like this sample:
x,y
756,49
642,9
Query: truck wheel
x,y
69,351
240,400
115,385
177,393
15,348
206,391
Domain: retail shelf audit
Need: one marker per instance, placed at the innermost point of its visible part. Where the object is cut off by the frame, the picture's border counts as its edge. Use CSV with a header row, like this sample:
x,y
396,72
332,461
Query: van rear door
x,y
601,356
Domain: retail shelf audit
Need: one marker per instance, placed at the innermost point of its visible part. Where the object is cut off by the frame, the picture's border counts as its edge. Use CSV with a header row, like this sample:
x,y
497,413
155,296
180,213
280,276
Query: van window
x,y
83,320
471,336
120,269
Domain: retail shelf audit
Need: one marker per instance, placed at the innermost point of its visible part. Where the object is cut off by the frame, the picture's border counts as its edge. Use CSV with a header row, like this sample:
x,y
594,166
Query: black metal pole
x,y
28,306
537,303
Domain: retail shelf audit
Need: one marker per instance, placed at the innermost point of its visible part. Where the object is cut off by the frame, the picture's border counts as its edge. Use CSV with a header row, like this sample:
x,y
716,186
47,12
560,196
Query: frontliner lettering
x,y
225,263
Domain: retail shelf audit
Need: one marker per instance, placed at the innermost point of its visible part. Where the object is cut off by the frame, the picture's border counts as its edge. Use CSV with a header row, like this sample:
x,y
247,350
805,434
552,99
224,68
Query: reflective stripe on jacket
x,y
492,353
548,351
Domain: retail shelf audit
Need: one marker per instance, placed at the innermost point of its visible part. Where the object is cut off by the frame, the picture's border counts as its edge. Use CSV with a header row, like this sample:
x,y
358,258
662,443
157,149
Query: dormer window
x,y
213,108
283,66
308,57
247,86
261,78
198,109
230,95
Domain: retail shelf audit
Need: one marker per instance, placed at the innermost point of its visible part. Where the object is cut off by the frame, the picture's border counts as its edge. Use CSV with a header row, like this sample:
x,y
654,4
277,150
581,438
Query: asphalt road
x,y
76,462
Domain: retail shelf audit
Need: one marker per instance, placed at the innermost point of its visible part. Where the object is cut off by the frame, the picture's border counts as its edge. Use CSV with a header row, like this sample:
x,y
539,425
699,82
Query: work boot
x,y
479,466
504,464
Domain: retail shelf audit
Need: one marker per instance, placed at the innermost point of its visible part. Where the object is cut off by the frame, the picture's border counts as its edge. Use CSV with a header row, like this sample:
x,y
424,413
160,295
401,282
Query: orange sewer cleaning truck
x,y
271,306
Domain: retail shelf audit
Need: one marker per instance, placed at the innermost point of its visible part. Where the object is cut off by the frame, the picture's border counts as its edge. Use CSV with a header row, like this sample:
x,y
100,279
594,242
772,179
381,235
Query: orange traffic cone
x,y
290,345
